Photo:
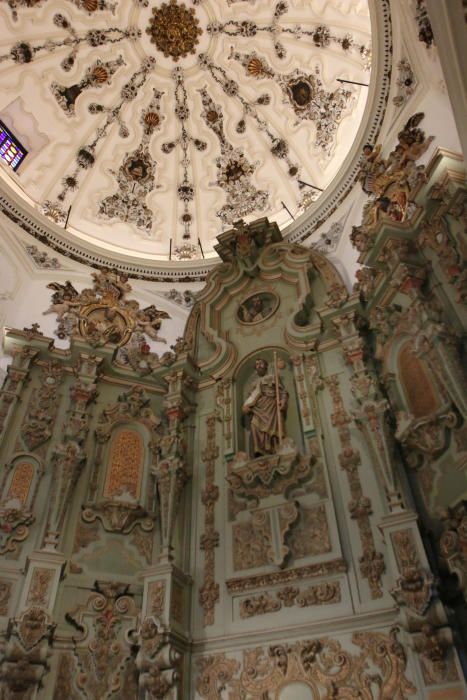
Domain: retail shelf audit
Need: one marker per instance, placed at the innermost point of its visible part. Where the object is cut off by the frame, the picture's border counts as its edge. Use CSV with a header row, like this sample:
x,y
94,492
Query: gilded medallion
x,y
174,29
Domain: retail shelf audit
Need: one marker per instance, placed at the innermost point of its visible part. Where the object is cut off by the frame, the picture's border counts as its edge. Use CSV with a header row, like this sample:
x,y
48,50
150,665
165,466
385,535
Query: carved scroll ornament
x,y
323,665
270,474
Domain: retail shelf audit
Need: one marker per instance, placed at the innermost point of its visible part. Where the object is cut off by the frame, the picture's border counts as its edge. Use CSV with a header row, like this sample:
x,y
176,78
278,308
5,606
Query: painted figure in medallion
x,y
266,407
256,308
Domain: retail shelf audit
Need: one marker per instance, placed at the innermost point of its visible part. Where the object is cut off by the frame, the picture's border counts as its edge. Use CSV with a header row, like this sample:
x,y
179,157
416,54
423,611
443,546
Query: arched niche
x,y
245,379
20,483
125,464
418,391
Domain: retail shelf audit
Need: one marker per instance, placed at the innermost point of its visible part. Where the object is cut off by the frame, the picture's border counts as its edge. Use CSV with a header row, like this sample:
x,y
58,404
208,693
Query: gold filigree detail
x,y
322,594
174,30
39,588
156,598
209,591
125,466
21,482
321,664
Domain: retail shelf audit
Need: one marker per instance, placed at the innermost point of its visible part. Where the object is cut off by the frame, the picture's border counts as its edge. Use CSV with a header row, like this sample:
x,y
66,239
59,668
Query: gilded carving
x,y
215,672
251,480
259,605
24,654
261,540
100,650
102,314
371,562
414,587
39,589
174,29
118,516
124,470
21,482
323,665
14,528
157,661
209,593
39,420
434,647
156,598
245,583
143,539
321,594
453,543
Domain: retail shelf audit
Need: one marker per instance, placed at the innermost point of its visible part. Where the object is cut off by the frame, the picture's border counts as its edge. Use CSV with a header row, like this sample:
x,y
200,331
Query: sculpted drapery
x,y
266,405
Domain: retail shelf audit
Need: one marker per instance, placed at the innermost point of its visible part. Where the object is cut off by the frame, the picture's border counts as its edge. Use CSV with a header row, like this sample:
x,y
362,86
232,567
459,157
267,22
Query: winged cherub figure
x,y
149,321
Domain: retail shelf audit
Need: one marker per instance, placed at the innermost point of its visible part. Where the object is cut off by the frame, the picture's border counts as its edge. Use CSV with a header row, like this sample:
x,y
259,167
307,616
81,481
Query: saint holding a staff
x,y
266,406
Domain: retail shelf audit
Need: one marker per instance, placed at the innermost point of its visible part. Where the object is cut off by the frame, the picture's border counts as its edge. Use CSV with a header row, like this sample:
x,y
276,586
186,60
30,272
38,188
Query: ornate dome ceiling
x,y
152,126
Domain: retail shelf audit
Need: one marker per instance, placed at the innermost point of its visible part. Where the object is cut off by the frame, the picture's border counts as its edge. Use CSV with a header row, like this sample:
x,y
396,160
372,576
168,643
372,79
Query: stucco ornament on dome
x,y
174,29
186,118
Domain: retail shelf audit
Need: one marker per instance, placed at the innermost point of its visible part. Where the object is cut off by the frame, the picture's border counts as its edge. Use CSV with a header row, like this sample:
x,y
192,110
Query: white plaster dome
x,y
152,126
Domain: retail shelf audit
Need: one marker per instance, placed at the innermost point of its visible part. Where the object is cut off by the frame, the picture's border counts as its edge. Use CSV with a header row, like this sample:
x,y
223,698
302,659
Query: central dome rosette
x,y
174,29
153,126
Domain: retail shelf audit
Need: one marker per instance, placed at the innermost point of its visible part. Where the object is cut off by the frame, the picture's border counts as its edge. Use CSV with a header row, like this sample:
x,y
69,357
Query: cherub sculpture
x,y
63,299
148,321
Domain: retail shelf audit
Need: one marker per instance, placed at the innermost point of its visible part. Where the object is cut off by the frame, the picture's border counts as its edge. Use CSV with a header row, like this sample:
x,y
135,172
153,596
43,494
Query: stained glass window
x,y
11,149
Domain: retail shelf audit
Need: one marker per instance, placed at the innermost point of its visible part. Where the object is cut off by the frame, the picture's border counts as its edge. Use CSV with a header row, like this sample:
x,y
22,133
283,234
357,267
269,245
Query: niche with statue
x,y
269,457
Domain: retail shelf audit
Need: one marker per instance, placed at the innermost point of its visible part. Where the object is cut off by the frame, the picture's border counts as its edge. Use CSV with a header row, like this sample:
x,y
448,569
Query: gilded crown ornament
x,y
174,29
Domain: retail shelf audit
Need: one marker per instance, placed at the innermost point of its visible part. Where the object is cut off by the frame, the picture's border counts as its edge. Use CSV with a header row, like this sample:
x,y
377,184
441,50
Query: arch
x,y
20,482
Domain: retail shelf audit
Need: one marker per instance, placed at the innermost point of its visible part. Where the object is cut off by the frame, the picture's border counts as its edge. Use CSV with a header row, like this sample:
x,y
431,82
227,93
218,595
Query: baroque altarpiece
x,y
273,509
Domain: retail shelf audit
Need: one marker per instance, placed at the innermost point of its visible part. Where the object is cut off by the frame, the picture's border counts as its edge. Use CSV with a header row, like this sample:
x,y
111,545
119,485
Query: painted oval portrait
x,y
257,307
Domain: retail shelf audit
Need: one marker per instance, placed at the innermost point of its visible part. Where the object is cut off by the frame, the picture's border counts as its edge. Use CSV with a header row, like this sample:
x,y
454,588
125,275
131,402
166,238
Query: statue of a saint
x,y
266,405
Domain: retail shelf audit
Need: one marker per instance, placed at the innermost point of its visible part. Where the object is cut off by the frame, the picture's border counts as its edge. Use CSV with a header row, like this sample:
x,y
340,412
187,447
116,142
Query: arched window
x,y
125,466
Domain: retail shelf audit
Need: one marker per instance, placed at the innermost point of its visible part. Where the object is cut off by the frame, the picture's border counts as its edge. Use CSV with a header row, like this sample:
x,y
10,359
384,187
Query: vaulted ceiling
x,y
152,126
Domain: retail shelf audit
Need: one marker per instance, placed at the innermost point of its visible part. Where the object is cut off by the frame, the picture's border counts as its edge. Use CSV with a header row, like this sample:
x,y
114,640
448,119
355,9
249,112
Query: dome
x,y
151,127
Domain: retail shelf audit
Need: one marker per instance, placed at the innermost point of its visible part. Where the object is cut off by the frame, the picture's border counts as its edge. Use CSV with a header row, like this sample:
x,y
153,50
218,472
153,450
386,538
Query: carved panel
x,y
261,540
156,598
311,535
21,482
252,543
39,590
124,471
268,475
246,583
320,594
